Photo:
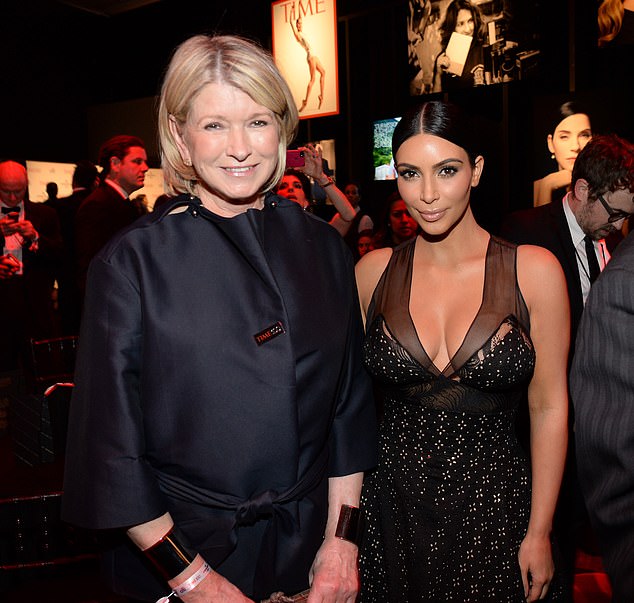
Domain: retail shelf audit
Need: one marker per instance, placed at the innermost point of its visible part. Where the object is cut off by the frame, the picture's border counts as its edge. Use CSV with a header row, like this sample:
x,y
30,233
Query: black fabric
x,y
546,226
449,503
68,291
177,408
102,214
593,263
602,386
30,295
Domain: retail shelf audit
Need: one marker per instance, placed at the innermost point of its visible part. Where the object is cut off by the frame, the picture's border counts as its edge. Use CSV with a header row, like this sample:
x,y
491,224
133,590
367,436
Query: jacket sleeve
x,y
353,442
107,481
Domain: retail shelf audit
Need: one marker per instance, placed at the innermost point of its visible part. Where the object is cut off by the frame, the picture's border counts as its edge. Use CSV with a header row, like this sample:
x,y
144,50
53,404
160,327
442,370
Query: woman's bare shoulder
x,y
370,268
534,257
538,271
374,261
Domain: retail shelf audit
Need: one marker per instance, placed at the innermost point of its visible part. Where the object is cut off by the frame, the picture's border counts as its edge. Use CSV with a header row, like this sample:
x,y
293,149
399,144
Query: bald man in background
x,y
31,245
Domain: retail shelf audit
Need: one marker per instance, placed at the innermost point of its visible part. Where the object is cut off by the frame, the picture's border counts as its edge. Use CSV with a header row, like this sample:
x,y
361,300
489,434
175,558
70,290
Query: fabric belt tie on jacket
x,y
280,509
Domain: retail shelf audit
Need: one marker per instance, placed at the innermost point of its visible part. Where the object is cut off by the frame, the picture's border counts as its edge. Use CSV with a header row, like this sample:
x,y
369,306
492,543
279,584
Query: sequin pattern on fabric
x,y
448,505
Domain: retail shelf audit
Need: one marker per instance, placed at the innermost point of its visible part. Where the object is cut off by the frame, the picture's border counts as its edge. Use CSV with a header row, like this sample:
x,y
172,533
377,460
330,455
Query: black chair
x,y
39,415
53,360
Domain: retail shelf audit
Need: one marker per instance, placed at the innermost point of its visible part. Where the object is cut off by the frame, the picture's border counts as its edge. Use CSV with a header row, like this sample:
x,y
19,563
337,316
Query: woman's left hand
x,y
537,566
334,576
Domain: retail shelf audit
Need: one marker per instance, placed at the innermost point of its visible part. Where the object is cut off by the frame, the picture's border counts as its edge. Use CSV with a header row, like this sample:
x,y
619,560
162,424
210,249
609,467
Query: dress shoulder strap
x,y
393,288
501,280
501,298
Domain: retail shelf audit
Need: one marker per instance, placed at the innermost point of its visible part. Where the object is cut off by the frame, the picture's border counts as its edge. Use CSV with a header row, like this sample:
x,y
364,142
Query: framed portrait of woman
x,y
305,51
457,44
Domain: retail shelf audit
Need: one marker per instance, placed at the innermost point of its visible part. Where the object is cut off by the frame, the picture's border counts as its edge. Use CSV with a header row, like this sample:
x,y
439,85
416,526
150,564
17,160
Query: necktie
x,y
10,210
593,263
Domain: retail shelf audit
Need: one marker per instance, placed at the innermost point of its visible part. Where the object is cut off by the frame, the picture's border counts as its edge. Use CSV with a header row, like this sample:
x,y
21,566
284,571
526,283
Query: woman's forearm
x,y
549,441
337,198
344,490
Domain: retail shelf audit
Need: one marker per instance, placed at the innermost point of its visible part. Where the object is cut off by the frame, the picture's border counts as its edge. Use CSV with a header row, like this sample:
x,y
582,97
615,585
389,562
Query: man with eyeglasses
x,y
594,210
602,390
581,231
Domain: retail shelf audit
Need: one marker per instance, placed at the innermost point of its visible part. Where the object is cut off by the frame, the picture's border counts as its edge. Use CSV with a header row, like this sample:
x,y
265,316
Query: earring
x,y
552,155
188,162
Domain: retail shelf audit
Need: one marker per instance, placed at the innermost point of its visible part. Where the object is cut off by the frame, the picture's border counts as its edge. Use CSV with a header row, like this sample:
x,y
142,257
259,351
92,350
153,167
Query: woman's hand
x,y
216,588
313,163
212,586
537,567
334,576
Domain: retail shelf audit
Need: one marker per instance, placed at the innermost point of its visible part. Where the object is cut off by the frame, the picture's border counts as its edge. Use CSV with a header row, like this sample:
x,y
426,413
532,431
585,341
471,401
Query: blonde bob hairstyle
x,y
232,60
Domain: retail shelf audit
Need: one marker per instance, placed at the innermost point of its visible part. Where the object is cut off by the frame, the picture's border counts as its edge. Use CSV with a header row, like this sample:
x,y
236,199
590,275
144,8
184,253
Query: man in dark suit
x,y
581,231
31,247
563,227
108,209
85,180
602,389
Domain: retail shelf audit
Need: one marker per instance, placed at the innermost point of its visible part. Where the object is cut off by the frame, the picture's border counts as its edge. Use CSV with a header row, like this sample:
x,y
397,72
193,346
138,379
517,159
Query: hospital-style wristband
x,y
348,524
188,585
169,555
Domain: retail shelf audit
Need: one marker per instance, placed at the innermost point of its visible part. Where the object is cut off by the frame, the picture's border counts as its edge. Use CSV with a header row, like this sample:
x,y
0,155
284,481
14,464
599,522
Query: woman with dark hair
x,y
570,130
458,325
464,18
365,243
296,186
396,225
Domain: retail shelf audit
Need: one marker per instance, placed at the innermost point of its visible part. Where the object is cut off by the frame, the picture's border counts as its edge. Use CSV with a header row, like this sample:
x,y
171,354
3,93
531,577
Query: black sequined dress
x,y
448,505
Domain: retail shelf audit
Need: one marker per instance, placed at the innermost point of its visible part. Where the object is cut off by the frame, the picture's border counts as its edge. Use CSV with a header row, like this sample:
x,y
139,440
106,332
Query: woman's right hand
x,y
215,588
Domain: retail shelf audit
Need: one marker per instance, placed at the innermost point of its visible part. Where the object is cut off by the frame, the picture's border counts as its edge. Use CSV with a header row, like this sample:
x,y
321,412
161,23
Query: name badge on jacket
x,y
269,333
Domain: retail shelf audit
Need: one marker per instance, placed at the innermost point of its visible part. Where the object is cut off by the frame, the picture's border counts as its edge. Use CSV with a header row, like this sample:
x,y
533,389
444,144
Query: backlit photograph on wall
x,y
305,50
456,44
382,130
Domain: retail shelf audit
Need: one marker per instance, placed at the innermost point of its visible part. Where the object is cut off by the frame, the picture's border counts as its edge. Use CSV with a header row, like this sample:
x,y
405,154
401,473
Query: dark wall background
x,y
69,79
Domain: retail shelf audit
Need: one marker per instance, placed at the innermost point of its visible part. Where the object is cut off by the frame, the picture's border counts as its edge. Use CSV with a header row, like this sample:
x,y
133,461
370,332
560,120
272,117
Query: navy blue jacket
x,y
219,377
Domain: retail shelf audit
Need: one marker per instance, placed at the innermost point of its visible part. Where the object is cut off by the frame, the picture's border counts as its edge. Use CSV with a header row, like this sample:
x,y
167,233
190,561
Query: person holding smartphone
x,y
307,162
31,245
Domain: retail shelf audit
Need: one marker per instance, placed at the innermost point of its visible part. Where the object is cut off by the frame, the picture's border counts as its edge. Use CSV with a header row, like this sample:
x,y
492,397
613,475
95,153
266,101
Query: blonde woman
x,y
222,417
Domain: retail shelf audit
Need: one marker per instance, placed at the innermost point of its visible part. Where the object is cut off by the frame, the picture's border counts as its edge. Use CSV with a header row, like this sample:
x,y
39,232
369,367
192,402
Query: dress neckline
x,y
449,370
